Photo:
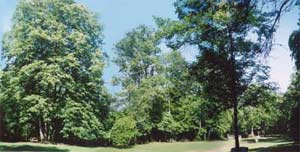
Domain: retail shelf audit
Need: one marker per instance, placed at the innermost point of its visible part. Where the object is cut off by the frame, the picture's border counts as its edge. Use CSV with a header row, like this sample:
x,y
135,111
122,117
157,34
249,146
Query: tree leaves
x,y
54,65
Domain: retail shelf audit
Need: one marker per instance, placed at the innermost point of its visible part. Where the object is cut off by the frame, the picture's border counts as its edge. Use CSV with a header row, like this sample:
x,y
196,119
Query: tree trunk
x,y
41,130
46,132
169,106
233,87
235,103
236,127
252,132
208,134
200,124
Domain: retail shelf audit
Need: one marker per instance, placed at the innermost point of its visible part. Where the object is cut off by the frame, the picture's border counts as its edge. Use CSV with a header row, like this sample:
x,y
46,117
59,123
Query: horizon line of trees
x,y
51,87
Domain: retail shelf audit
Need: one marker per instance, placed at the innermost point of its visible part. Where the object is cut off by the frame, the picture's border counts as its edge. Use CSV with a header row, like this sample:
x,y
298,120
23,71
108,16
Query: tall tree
x,y
294,89
52,78
185,101
220,30
138,57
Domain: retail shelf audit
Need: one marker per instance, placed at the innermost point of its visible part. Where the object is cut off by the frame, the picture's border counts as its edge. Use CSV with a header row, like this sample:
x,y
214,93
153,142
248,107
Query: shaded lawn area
x,y
270,144
151,147
278,148
29,147
275,144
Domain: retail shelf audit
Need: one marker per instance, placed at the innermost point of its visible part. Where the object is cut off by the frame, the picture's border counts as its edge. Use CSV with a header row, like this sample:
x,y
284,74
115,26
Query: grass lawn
x,y
272,144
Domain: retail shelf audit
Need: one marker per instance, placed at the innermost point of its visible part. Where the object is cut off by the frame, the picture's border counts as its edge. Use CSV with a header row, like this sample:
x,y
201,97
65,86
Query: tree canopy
x,y
51,84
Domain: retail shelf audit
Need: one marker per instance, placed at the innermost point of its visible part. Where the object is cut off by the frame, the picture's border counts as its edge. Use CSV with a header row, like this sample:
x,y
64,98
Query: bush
x,y
123,132
168,126
201,134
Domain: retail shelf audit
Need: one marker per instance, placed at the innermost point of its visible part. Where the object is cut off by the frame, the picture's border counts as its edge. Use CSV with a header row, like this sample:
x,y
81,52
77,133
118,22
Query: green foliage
x,y
294,42
227,62
223,124
144,94
187,105
200,134
251,118
123,132
192,113
258,94
149,101
290,108
53,72
294,123
169,126
80,122
259,109
293,92
52,87
137,55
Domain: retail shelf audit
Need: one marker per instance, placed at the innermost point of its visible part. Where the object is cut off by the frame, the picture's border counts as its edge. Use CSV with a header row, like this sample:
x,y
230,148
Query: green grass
x,y
151,147
272,144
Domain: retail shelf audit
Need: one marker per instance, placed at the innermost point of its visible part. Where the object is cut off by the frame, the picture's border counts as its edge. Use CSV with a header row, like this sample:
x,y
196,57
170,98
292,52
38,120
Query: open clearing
x,y
272,144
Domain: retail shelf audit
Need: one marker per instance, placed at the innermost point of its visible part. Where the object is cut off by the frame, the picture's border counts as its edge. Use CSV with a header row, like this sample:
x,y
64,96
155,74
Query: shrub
x,y
201,134
168,126
123,132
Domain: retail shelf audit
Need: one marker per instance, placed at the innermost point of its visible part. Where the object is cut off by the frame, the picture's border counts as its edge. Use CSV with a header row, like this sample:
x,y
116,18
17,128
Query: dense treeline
x,y
52,87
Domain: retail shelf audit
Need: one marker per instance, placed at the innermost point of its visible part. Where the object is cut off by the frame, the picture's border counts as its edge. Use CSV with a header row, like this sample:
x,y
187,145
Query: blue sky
x,y
120,16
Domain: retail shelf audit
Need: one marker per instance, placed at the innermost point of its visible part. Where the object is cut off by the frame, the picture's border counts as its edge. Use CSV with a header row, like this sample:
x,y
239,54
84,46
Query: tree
x,y
52,78
220,30
142,80
293,90
180,91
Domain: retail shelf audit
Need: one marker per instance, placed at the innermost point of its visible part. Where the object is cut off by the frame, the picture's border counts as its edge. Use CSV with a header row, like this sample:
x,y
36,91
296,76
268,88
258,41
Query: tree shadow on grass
x,y
269,140
274,140
278,148
30,148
